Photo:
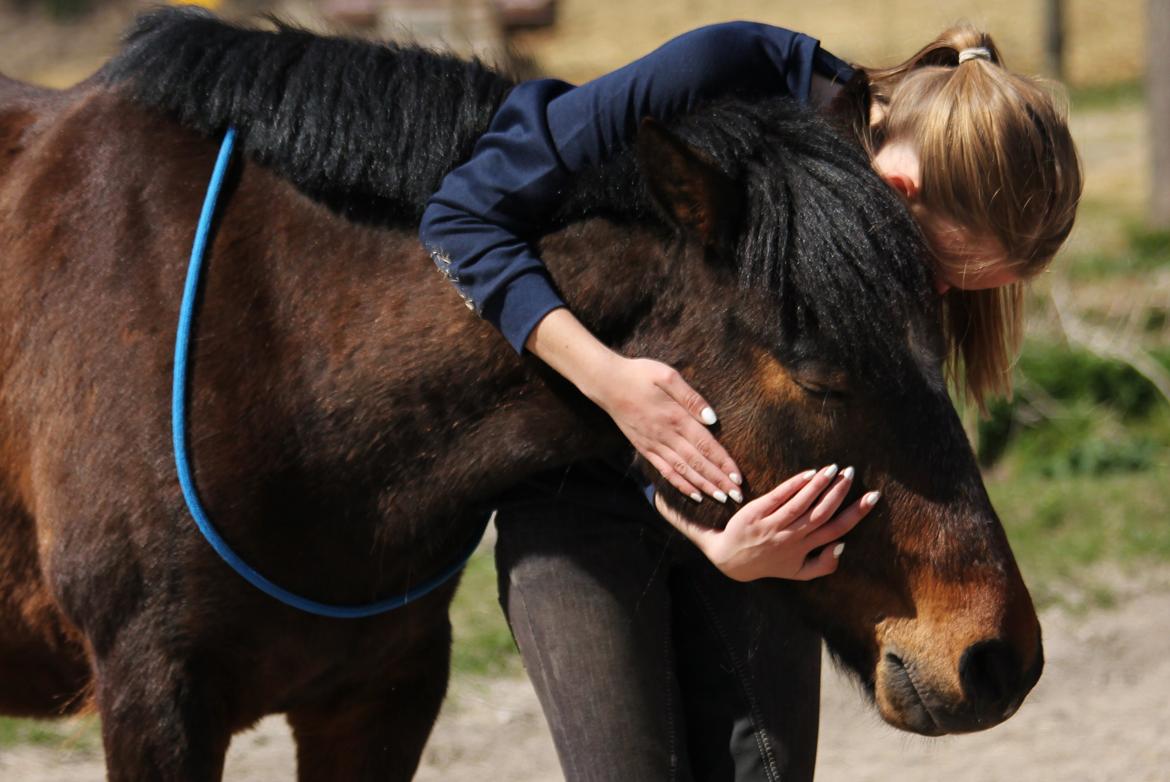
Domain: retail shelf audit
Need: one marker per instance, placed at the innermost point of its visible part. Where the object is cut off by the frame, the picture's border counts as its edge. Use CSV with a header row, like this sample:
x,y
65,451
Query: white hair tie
x,y
975,53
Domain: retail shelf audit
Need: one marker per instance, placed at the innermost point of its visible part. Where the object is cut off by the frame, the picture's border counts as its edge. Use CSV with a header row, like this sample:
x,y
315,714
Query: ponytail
x,y
997,159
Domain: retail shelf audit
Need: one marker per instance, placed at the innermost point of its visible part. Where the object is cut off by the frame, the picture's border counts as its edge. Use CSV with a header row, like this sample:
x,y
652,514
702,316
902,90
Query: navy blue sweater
x,y
478,225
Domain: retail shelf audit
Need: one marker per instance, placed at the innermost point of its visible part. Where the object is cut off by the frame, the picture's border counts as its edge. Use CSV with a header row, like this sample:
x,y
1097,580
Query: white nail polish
x,y
837,550
871,499
831,471
708,416
719,496
847,473
735,478
696,496
736,495
808,476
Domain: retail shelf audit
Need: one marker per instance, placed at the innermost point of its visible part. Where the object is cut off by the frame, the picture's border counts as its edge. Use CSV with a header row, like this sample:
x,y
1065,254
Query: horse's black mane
x,y
369,126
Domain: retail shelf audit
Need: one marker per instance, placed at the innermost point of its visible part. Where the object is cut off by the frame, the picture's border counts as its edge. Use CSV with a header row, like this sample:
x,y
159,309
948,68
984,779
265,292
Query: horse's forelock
x,y
821,232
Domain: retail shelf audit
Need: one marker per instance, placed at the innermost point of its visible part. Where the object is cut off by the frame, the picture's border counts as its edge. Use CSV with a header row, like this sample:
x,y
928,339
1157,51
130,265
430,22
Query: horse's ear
x,y
687,185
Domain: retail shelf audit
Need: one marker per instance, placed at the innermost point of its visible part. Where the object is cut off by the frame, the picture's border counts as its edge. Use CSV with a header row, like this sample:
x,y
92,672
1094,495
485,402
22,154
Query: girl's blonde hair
x,y
996,158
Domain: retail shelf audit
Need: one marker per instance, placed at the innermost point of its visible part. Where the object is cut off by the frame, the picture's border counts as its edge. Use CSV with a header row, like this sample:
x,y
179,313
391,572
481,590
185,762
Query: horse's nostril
x,y
990,672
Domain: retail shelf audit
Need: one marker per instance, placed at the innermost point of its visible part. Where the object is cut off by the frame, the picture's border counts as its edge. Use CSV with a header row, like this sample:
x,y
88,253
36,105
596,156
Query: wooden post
x,y
1158,107
1054,38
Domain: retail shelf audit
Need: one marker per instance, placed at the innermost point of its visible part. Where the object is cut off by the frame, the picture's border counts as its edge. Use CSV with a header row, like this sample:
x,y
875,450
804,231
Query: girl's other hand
x,y
773,535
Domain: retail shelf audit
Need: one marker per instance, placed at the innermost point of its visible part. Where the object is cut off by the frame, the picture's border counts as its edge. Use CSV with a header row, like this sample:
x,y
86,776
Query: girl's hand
x,y
666,420
772,536
660,414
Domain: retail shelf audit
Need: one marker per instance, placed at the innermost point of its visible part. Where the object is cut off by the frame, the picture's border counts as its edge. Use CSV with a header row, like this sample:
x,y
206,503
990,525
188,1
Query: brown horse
x,y
350,418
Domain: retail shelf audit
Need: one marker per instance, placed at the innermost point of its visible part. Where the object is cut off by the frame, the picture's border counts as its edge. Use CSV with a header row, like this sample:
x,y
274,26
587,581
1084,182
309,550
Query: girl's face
x,y
966,259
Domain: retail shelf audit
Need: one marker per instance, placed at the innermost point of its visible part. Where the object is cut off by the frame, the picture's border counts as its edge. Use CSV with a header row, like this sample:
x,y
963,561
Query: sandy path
x,y
1101,712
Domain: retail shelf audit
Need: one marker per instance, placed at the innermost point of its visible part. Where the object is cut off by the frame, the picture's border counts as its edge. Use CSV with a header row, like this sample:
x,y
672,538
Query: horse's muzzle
x,y
993,684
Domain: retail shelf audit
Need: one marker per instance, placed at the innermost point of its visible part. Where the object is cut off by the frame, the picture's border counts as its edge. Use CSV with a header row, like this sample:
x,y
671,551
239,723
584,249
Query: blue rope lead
x,y
179,432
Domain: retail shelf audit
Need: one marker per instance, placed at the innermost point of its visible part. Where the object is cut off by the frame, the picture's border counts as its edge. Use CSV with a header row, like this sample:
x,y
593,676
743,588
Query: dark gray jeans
x,y
649,663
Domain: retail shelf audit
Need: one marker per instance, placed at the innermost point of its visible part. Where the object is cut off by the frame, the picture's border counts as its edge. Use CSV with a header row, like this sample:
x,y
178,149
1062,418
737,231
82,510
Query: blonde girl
x,y
640,659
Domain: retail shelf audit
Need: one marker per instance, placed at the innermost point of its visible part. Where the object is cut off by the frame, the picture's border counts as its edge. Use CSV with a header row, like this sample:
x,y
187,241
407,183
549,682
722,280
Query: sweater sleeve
x,y
479,223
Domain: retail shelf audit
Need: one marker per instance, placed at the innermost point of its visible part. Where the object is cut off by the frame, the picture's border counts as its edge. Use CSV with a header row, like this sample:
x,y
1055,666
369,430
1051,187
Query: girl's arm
x,y
478,224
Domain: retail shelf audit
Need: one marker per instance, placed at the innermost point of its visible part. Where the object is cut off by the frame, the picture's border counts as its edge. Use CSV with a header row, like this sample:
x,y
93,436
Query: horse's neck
x,y
384,344
613,275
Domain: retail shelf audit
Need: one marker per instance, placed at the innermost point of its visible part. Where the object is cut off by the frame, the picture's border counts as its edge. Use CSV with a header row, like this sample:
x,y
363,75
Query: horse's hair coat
x,y
371,129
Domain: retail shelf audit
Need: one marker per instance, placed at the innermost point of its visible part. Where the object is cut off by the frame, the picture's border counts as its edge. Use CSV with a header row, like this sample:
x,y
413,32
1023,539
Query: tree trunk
x,y
1054,38
1158,106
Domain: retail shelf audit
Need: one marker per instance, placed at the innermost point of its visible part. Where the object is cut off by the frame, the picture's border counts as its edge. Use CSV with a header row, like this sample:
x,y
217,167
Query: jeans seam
x,y
771,767
672,738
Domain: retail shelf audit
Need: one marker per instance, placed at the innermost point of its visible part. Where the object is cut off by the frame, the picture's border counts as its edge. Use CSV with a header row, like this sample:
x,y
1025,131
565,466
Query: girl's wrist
x,y
562,342
596,373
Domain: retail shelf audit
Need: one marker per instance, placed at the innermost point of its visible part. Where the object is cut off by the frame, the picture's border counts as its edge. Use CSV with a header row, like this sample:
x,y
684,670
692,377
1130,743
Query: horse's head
x,y
832,353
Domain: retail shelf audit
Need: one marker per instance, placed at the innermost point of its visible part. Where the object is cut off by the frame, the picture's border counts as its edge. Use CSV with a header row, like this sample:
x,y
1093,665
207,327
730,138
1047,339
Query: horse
x,y
351,419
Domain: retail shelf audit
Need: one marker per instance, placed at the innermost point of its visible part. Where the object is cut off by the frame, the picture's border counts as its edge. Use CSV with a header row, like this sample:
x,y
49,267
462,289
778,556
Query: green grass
x,y
1065,530
483,644
1146,250
1077,467
76,733
17,731
1106,96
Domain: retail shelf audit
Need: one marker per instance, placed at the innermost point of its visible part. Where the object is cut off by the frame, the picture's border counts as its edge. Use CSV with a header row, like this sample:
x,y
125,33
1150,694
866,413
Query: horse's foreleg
x,y
374,734
163,717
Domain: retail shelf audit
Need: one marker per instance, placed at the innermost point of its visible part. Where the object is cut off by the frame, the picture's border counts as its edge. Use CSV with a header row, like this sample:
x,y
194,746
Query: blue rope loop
x,y
179,393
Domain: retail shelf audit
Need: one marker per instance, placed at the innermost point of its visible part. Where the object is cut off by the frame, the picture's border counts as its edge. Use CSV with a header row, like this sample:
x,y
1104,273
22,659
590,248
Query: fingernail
x,y
808,476
837,550
735,478
708,416
719,496
696,496
847,473
736,495
871,499
831,471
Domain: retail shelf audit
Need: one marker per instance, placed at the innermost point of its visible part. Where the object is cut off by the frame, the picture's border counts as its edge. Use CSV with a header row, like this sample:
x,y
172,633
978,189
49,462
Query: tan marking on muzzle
x,y
950,618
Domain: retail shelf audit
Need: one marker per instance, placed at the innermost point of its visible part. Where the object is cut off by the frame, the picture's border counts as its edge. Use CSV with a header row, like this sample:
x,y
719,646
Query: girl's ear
x,y
691,190
903,184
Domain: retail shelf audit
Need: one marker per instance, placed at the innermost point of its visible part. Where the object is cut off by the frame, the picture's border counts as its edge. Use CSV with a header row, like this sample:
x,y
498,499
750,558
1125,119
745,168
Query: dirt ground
x,y
1099,714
